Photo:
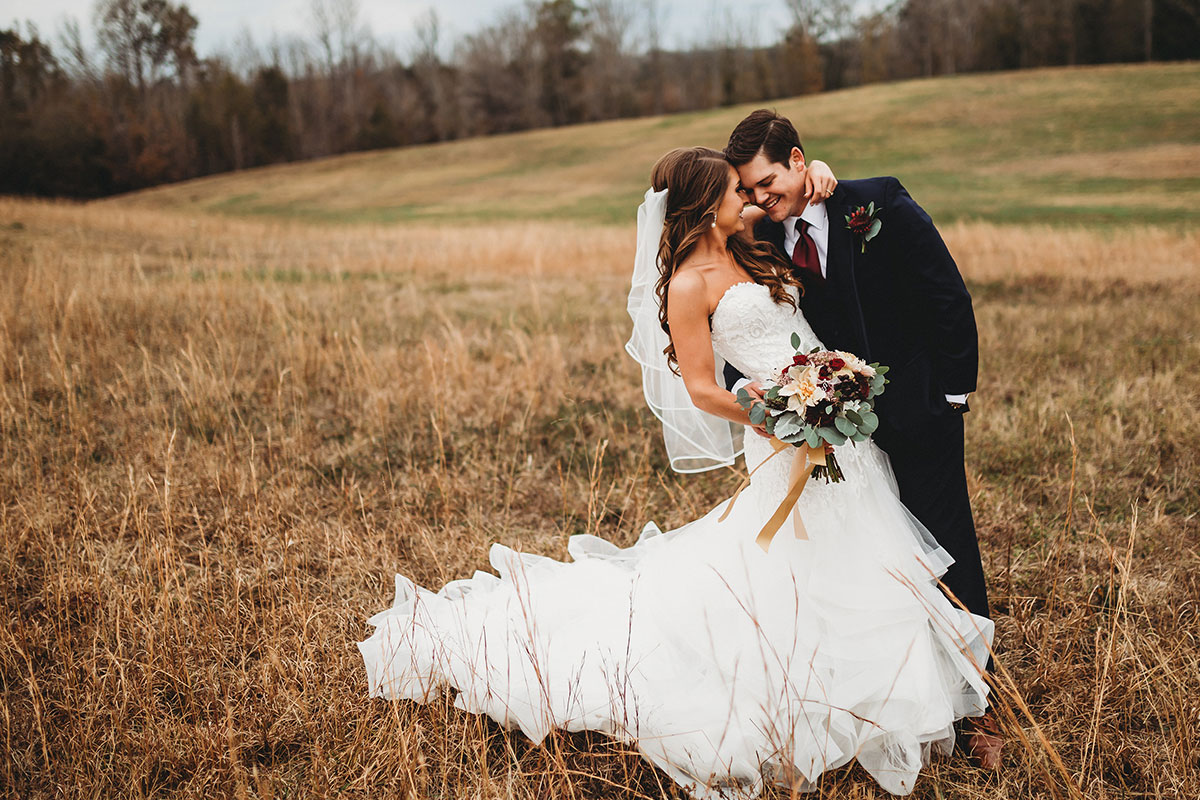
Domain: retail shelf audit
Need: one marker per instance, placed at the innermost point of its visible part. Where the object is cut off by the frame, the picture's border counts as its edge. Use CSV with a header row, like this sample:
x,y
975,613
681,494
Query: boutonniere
x,y
864,223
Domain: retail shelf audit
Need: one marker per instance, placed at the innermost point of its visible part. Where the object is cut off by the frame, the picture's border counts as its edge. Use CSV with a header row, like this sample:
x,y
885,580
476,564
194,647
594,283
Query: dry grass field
x,y
220,438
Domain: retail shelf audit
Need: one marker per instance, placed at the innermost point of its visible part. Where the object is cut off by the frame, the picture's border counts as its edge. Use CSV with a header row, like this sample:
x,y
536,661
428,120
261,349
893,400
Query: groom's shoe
x,y
985,744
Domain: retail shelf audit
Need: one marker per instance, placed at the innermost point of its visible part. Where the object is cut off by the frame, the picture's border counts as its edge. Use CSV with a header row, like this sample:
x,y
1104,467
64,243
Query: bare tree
x,y
340,31
500,86
830,25
439,102
651,20
323,30
77,62
824,20
142,38
428,34
608,78
244,54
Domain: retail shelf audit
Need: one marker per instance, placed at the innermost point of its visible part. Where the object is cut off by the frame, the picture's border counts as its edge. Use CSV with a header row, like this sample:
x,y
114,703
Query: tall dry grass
x,y
220,439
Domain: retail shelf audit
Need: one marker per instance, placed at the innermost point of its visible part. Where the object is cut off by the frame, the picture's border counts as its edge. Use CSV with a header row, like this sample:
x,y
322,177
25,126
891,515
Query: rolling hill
x,y
1092,146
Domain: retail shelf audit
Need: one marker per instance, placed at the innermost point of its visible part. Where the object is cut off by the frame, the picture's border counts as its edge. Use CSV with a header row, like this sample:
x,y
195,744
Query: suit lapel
x,y
840,268
771,232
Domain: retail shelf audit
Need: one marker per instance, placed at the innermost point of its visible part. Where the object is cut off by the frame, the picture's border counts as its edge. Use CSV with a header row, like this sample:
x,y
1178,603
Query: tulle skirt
x,y
726,666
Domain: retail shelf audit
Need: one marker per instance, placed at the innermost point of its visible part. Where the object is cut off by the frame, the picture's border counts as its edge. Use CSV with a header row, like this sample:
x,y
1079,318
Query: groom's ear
x,y
796,158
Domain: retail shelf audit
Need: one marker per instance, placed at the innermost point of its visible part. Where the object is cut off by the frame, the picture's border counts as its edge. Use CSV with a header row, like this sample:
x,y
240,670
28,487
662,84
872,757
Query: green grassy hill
x,y
1095,146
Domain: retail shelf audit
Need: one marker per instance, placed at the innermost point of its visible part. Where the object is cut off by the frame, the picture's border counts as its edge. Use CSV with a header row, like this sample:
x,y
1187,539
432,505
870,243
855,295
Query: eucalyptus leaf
x,y
812,437
795,341
853,416
845,426
757,414
875,226
831,436
870,423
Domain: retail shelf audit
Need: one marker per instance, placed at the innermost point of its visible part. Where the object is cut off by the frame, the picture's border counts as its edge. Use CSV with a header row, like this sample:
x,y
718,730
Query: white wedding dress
x,y
726,667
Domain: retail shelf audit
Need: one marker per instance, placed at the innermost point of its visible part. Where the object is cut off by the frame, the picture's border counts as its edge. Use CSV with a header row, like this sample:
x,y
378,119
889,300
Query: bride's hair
x,y
696,179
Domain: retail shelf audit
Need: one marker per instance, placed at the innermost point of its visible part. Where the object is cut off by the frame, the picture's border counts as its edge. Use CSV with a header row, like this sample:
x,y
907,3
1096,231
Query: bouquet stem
x,y
831,471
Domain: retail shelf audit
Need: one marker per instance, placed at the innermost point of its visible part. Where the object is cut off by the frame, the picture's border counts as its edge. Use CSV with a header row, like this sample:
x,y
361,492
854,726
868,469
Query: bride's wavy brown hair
x,y
696,179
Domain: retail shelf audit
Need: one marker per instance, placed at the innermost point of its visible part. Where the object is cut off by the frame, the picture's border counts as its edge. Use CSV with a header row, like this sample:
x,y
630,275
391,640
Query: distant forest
x,y
146,109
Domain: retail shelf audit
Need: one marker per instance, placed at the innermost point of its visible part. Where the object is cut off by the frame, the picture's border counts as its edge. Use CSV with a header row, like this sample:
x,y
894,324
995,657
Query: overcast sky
x,y
391,21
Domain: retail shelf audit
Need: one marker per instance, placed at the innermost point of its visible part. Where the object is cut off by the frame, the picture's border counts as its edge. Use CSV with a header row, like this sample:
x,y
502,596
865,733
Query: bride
x,y
726,666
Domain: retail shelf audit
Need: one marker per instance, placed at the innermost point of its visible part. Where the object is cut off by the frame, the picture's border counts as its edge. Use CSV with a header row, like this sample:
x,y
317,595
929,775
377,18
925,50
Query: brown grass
x,y
1156,162
220,439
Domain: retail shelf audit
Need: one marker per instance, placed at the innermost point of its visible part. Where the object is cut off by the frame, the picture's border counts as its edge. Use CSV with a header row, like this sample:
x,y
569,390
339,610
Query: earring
x,y
714,220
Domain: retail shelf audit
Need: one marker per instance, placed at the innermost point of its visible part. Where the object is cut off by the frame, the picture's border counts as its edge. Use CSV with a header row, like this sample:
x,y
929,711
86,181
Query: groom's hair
x,y
763,131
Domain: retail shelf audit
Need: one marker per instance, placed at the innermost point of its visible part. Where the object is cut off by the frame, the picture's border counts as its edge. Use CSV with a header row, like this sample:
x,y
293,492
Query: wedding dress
x,y
726,666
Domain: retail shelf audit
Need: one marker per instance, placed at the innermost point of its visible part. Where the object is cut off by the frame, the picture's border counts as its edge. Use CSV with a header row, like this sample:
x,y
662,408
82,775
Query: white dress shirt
x,y
818,230
817,218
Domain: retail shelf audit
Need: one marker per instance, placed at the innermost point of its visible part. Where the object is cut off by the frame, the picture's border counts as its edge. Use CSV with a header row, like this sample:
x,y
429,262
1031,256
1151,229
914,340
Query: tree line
x,y
146,109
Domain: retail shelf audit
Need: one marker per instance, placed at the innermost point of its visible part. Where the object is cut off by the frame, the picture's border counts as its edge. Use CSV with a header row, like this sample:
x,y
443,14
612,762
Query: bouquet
x,y
822,397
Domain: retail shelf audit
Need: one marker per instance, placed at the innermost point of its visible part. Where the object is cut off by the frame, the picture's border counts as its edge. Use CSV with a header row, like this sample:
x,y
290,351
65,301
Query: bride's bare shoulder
x,y
689,288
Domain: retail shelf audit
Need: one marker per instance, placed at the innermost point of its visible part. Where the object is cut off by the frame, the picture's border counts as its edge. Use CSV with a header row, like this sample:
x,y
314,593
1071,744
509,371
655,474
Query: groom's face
x,y
776,188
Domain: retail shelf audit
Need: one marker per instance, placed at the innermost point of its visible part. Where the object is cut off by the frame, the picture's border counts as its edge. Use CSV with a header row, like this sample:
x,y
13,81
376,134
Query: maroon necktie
x,y
804,256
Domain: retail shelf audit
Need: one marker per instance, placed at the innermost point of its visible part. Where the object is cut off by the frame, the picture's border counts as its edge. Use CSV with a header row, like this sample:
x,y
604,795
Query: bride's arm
x,y
751,214
819,181
687,314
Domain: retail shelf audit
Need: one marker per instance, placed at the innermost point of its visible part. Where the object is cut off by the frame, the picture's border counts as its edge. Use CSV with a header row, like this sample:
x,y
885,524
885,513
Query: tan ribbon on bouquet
x,y
803,463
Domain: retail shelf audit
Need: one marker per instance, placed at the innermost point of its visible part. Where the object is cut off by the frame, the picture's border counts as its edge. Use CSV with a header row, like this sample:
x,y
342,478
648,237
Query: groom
x,y
894,296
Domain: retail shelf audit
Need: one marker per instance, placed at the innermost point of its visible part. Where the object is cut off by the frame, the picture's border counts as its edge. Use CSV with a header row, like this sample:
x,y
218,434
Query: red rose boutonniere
x,y
864,223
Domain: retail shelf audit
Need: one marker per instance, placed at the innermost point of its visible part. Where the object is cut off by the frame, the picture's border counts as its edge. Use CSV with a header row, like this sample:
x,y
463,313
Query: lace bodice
x,y
753,332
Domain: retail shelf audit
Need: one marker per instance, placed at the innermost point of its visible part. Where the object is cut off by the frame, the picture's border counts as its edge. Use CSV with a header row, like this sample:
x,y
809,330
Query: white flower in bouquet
x,y
853,365
803,390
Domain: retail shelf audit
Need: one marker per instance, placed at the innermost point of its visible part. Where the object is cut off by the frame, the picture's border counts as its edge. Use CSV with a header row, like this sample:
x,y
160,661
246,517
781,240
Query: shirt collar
x,y
815,215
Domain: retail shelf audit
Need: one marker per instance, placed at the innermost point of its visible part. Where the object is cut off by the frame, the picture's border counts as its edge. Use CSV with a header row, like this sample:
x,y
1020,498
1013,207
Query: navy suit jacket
x,y
900,302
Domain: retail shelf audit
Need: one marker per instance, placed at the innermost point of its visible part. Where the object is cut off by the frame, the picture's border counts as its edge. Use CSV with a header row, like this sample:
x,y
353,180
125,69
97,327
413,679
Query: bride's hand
x,y
819,182
756,390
